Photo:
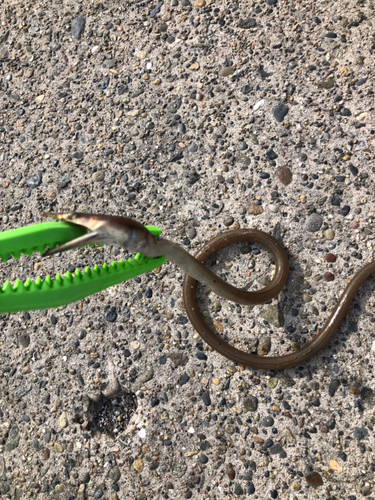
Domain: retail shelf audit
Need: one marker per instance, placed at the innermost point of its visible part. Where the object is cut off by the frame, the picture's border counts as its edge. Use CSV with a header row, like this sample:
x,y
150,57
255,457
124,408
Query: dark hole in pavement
x,y
112,415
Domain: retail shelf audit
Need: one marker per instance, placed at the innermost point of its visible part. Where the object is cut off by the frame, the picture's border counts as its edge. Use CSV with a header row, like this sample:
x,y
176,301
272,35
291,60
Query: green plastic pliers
x,y
60,291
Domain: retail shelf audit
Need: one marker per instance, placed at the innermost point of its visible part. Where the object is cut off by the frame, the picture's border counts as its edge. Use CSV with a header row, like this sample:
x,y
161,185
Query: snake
x,y
129,233
310,349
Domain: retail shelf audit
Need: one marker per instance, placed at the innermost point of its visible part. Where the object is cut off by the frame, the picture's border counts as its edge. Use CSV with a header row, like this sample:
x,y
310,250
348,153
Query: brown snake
x,y
130,234
270,291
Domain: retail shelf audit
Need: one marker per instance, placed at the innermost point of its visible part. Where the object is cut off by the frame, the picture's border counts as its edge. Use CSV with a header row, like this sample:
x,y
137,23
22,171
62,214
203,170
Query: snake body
x,y
196,271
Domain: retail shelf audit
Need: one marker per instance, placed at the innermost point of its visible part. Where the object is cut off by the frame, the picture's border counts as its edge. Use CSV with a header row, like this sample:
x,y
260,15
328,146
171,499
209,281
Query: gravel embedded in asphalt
x,y
198,118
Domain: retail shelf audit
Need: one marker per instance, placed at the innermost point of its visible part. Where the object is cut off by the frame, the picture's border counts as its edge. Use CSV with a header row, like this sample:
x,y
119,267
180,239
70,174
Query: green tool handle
x,y
57,292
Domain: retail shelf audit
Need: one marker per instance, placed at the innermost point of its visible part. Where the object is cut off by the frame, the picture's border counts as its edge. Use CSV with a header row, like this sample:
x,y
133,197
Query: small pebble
x,y
345,210
346,71
314,223
63,421
156,10
267,421
330,257
78,27
274,316
285,175
251,403
238,489
98,176
58,448
226,71
77,155
148,375
255,209
314,479
295,486
110,316
138,465
34,181
272,382
280,112
264,346
115,474
353,170
329,234
24,340
231,474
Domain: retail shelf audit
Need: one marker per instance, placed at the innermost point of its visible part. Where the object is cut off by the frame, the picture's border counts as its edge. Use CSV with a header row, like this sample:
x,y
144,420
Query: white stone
x,y
259,104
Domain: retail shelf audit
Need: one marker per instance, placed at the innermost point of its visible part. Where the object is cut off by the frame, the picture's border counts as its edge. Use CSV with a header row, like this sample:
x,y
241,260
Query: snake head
x,y
105,230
